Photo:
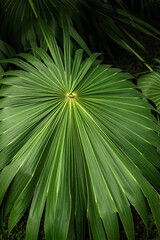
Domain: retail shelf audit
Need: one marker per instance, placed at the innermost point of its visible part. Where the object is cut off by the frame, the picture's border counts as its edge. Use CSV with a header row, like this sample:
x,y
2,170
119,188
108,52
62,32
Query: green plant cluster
x,y
79,143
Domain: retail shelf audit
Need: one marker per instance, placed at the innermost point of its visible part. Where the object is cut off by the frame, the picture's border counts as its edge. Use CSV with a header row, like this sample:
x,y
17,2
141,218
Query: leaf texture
x,y
150,86
78,142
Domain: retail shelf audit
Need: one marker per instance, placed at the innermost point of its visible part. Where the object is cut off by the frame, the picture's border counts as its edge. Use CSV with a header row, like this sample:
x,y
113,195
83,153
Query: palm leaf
x,y
5,51
78,142
106,19
19,26
150,86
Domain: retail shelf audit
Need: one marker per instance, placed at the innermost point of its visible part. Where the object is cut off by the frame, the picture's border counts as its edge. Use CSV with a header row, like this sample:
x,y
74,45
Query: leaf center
x,y
71,95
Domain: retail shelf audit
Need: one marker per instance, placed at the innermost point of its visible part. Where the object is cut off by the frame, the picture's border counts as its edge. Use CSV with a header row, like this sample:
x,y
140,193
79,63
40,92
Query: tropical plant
x,y
106,22
149,83
78,142
6,51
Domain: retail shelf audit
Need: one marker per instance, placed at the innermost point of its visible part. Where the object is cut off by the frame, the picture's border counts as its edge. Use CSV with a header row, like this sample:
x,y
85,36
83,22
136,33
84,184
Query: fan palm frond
x,y
78,142
105,23
19,26
150,86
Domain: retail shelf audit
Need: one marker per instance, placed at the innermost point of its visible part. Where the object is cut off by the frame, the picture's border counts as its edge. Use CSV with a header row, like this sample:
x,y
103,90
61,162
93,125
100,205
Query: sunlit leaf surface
x,y
78,141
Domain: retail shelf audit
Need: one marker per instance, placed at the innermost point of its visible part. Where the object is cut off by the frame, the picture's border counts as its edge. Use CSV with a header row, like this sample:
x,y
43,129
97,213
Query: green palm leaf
x,y
150,86
78,142
5,51
105,18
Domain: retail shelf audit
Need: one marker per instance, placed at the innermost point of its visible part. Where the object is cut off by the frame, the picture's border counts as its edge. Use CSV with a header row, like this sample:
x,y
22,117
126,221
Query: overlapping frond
x,y
77,141
150,86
